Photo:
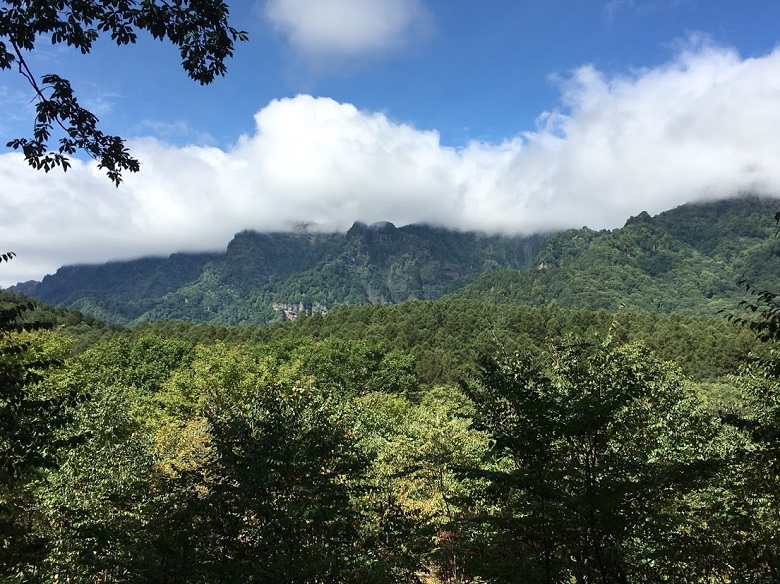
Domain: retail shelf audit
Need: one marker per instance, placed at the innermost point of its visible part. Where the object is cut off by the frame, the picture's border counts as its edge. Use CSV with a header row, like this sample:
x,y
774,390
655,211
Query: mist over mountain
x,y
265,276
688,259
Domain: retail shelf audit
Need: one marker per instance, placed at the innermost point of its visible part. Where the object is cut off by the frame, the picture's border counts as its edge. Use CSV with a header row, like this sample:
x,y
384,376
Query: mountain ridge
x,y
688,259
377,263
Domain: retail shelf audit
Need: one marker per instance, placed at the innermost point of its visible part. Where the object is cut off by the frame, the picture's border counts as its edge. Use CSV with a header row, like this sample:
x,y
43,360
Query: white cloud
x,y
702,126
100,104
179,131
327,29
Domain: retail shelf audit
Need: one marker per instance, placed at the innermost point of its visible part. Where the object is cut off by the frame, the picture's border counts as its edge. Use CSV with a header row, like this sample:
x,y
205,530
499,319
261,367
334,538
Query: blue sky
x,y
477,70
508,116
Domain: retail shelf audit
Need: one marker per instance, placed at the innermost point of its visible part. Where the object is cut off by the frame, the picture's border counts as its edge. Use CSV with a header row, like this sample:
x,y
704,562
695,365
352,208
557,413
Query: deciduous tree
x,y
31,419
198,28
595,447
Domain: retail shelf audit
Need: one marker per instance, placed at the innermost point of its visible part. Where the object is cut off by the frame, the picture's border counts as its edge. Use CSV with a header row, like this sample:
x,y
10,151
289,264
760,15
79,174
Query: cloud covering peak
x,y
700,127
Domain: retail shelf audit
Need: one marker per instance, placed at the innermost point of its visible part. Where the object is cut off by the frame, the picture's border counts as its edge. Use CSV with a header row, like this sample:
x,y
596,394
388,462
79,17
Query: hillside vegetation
x,y
338,449
688,260
474,438
303,271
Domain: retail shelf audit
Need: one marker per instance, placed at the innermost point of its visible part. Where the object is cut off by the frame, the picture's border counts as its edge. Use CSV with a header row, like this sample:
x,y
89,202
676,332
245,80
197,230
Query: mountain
x,y
687,260
267,276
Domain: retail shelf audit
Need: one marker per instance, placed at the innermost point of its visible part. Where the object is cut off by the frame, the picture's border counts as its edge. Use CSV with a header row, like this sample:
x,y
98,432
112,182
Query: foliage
x,y
200,30
763,313
104,507
744,508
300,460
335,448
31,421
218,463
594,450
754,482
416,449
84,330
447,336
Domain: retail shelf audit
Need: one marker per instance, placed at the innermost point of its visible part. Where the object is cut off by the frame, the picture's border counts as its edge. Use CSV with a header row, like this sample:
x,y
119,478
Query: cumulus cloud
x,y
327,29
701,127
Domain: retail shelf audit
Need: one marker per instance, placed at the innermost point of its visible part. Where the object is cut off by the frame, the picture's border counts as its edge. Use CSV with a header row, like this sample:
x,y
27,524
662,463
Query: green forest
x,y
687,260
406,404
438,441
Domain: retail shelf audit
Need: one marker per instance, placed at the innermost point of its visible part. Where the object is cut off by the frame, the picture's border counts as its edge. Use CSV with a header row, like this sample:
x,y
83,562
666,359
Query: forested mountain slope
x,y
689,259
262,276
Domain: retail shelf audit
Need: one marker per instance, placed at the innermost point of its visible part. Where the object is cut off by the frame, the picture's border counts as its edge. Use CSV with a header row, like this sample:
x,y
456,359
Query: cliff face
x,y
267,276
290,310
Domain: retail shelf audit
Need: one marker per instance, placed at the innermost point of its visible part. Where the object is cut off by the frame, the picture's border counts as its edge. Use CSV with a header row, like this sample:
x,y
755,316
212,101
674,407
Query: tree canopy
x,y
198,28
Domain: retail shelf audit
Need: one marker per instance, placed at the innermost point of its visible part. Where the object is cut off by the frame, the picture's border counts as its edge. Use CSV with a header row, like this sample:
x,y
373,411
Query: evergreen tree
x,y
595,448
